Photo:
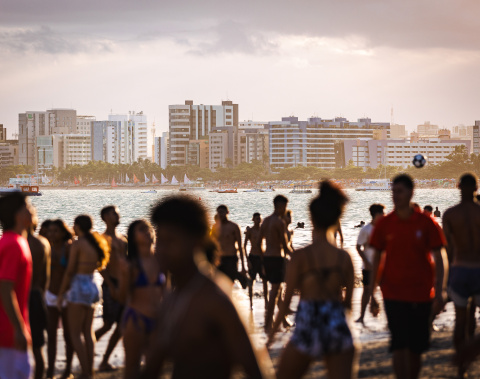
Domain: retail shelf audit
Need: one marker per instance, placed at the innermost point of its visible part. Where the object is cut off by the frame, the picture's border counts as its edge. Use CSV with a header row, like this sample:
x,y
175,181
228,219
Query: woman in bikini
x,y
323,274
141,287
87,254
60,237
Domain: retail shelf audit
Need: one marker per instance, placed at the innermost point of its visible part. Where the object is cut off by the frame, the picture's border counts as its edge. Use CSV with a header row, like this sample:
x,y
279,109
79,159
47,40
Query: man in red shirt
x,y
413,286
15,277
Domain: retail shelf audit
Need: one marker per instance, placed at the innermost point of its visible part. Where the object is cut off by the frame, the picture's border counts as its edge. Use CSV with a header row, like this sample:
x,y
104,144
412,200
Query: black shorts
x,y
38,318
256,266
112,309
366,277
409,325
228,265
274,269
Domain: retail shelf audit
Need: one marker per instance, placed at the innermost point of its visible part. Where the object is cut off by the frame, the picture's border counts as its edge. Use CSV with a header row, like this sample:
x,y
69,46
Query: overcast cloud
x,y
274,58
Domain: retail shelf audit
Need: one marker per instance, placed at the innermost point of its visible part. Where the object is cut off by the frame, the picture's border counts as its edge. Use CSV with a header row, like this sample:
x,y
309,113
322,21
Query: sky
x,y
274,58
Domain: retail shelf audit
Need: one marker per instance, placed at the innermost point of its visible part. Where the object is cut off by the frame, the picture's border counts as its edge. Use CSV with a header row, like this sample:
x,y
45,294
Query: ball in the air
x,y
419,161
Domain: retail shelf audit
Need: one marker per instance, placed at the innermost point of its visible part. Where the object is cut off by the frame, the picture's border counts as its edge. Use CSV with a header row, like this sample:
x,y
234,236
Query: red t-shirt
x,y
15,266
408,273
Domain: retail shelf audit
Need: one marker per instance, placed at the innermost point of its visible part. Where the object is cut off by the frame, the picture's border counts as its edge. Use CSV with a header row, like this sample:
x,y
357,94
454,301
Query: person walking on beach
x,y
229,238
199,329
255,258
15,279
437,213
461,224
87,254
274,230
413,286
324,276
366,253
112,308
60,238
141,288
40,249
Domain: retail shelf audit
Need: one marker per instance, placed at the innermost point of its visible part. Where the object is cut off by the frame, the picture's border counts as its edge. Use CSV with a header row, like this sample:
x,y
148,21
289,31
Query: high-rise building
x,y
397,131
312,143
162,150
61,121
427,129
476,138
121,139
195,122
8,153
3,133
84,124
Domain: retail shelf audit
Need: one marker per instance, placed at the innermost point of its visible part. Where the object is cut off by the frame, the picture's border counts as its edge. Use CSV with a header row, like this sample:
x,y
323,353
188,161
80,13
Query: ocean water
x,y
133,204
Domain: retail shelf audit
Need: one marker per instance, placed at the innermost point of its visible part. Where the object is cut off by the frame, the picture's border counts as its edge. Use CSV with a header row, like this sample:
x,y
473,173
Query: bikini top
x,y
323,274
142,279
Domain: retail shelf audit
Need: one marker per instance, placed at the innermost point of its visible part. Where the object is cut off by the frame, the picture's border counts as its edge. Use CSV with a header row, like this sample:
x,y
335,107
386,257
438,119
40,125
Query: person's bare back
x,y
462,225
118,246
273,229
40,249
254,236
228,238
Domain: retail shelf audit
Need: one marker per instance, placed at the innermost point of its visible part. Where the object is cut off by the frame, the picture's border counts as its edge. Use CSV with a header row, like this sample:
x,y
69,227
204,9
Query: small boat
x,y
192,187
301,189
253,190
25,184
234,190
150,191
267,189
375,185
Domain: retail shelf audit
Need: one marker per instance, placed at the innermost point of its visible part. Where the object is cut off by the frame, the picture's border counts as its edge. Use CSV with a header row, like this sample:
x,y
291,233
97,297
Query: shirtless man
x,y
274,230
112,309
229,238
255,258
461,225
40,249
199,329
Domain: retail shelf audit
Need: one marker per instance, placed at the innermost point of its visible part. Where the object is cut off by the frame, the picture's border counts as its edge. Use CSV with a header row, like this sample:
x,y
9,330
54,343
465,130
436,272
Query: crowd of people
x,y
167,286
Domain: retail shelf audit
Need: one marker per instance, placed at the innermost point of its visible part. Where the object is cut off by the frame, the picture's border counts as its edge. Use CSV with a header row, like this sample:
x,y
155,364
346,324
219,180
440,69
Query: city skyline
x,y
274,59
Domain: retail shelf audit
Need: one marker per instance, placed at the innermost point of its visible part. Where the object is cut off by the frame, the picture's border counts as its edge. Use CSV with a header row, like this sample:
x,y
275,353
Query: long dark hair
x,y
132,248
67,232
327,208
85,223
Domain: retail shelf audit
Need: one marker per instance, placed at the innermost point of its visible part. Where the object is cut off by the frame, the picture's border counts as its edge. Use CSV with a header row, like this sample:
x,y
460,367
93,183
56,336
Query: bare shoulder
x,y
345,256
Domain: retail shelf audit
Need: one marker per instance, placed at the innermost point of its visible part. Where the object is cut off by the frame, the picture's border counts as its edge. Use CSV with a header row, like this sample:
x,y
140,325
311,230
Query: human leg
x,y
114,338
272,301
39,362
293,363
265,292
340,366
76,314
133,342
68,344
53,315
89,336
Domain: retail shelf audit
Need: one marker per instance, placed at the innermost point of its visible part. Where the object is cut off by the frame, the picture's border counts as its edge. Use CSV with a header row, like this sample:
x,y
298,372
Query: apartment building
x,y
3,133
8,152
476,138
84,124
195,122
162,150
312,143
400,153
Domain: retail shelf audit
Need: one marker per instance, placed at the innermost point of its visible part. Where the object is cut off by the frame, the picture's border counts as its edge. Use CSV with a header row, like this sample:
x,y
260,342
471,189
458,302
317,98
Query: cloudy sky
x,y
274,58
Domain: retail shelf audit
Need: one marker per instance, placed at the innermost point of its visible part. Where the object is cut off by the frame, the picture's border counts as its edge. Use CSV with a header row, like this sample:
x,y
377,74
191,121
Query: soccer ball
x,y
419,161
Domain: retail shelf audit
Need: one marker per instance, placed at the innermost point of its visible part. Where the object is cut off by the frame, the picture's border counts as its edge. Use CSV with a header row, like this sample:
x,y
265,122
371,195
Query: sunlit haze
x,y
273,58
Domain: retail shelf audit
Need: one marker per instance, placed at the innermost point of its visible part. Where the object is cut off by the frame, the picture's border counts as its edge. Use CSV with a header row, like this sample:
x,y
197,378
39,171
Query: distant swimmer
x,y
300,225
361,225
437,213
255,258
229,238
274,230
413,288
462,224
367,253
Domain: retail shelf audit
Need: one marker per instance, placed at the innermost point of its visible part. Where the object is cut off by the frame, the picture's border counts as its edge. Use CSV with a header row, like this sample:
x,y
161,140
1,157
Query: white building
x,y
400,153
84,124
161,150
194,122
312,143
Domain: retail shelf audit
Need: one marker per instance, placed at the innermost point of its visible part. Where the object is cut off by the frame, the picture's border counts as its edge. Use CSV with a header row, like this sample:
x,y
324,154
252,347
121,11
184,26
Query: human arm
x,y
124,280
238,240
448,236
361,252
248,235
69,272
349,281
441,268
282,230
374,279
340,233
12,309
45,272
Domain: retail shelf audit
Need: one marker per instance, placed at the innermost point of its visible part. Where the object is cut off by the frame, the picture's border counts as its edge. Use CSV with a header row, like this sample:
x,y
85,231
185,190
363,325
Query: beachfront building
x,y
312,143
372,153
161,150
8,152
122,139
398,131
32,124
198,153
427,129
84,124
476,138
189,122
3,133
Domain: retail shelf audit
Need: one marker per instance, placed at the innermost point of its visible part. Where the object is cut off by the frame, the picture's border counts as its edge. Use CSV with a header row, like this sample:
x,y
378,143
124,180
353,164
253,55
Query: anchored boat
x,y
26,184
